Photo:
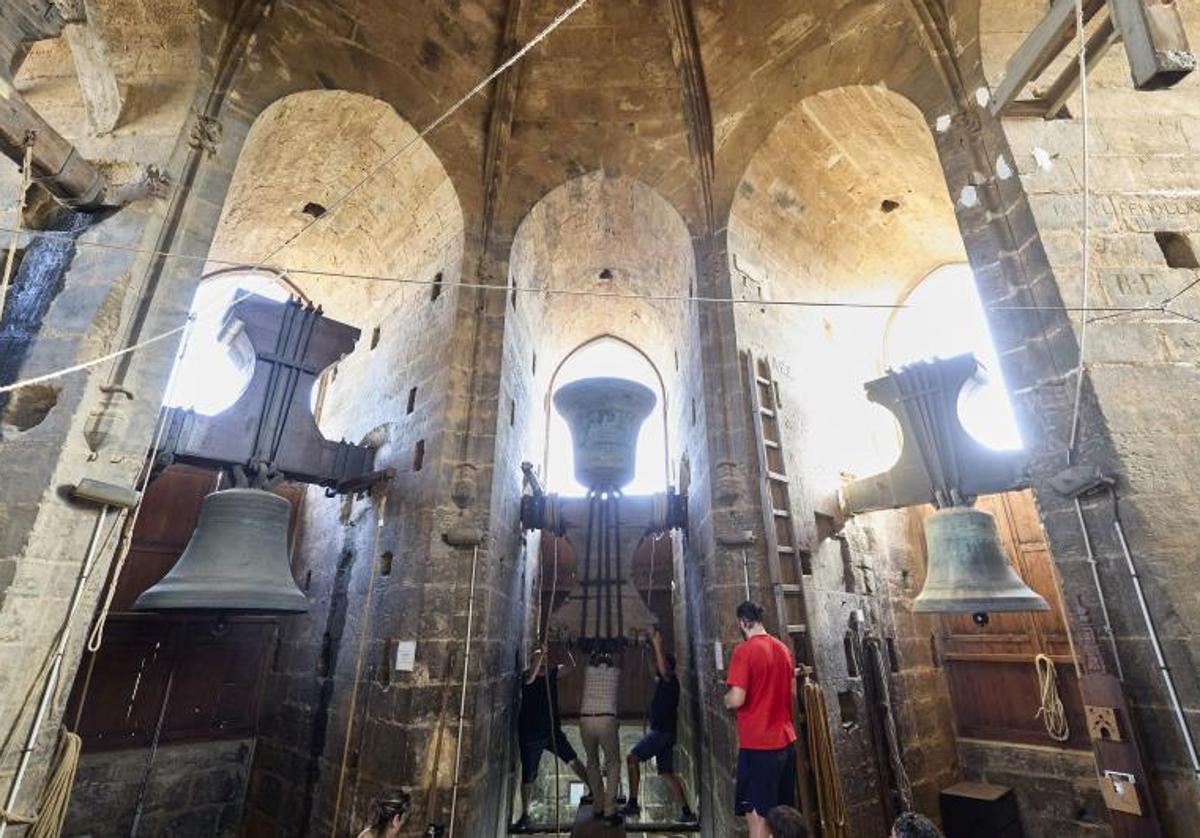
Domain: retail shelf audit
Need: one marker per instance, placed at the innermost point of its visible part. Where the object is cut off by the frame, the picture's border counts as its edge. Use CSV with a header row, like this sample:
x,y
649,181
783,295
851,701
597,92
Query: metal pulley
x,y
968,570
236,560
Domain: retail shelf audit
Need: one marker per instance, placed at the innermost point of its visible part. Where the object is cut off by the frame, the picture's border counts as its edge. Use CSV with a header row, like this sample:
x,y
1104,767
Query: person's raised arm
x,y
660,662
535,665
569,667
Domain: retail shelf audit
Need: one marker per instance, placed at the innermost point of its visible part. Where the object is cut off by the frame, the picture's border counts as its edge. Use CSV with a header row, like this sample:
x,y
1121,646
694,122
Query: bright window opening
x,y
945,317
614,359
208,378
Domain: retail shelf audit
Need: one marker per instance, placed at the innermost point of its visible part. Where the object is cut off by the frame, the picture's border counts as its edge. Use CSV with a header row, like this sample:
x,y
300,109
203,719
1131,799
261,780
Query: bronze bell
x,y
968,569
236,560
605,416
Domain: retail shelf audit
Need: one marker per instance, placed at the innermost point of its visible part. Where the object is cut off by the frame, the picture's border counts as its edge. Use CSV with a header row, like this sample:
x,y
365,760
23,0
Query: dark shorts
x,y
660,745
765,779
531,753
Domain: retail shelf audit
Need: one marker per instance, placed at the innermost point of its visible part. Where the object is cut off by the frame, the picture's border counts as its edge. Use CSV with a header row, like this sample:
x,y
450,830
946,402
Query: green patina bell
x,y
968,570
236,560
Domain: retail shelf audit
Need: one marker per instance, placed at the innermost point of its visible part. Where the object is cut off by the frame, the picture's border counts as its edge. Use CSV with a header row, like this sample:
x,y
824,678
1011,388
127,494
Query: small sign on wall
x,y
406,656
719,655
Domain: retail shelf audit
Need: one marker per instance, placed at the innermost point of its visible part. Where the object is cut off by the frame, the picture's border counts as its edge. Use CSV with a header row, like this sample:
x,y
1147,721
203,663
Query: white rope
x,y
96,638
470,94
1053,716
1087,226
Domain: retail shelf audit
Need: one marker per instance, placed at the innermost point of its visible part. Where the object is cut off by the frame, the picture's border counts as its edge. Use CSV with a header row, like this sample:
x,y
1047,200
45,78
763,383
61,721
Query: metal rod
x,y
162,715
462,701
746,574
1184,730
1087,544
55,668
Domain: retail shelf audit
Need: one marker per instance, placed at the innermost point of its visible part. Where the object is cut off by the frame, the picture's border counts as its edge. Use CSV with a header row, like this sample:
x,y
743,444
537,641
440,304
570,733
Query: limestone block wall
x,y
190,789
1141,366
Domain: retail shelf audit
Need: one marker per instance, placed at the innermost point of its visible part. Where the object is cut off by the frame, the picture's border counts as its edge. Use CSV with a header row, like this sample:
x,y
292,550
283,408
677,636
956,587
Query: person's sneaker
x,y
631,809
522,822
687,816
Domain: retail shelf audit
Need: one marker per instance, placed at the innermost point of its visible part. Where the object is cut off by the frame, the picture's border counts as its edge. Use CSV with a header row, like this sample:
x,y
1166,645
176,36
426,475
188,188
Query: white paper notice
x,y
719,654
406,655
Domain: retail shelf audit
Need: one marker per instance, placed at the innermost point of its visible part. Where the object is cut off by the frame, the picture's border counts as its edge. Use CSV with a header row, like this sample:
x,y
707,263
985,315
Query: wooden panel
x,y
990,669
215,667
999,700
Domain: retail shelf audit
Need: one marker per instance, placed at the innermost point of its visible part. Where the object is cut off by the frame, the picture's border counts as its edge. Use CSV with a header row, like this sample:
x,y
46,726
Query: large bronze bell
x,y
605,416
968,569
236,560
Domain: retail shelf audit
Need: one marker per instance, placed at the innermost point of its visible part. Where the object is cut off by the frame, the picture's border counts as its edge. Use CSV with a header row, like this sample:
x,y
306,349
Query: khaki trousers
x,y
600,733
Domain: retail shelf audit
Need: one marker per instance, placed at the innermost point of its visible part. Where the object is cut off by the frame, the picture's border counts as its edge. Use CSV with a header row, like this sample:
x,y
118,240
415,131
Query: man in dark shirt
x,y
659,742
539,728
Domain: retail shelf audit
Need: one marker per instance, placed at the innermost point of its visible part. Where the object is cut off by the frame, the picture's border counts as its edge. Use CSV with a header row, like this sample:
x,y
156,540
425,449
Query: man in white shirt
x,y
598,730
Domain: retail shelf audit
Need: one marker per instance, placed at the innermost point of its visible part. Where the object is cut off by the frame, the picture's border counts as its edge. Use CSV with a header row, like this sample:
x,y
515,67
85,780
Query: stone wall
x,y
194,789
1141,367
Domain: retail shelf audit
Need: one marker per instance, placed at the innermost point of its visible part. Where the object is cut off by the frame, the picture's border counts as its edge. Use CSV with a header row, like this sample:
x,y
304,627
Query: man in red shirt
x,y
762,689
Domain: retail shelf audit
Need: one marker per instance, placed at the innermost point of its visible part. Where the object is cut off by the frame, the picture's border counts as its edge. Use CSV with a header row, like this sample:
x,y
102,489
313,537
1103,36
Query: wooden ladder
x,y
788,564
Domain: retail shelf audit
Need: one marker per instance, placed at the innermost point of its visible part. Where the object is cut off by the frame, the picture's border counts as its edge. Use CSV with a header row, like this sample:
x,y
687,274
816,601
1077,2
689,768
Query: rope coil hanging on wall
x,y
1054,716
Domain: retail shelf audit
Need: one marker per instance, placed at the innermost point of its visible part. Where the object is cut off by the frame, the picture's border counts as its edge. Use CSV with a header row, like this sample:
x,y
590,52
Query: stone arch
x,y
373,262
656,430
618,239
845,202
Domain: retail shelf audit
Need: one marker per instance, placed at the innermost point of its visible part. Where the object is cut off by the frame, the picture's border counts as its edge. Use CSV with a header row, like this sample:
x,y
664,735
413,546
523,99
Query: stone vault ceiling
x,y
613,89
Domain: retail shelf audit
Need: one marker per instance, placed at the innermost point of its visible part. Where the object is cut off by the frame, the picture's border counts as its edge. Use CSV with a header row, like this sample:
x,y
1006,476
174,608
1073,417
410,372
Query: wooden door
x,y
990,669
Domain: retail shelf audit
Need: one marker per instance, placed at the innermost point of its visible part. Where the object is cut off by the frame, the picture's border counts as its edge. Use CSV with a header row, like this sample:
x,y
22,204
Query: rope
x,y
364,625
52,811
96,638
1087,226
831,802
1052,712
16,228
903,783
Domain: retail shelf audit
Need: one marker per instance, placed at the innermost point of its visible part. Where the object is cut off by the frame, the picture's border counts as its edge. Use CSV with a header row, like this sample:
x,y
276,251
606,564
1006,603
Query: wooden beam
x,y
500,121
1155,41
697,112
1064,86
83,31
55,162
1043,44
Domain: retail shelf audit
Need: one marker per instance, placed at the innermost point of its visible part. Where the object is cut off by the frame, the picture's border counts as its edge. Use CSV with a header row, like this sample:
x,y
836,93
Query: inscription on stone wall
x,y
1148,213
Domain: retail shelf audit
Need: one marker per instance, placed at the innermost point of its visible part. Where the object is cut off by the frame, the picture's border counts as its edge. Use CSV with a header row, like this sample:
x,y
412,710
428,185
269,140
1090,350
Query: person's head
x,y
914,825
389,812
670,659
601,657
786,822
749,616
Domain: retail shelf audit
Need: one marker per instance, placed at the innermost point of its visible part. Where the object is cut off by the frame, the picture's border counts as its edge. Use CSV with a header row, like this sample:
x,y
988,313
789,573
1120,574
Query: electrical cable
x,y
1051,711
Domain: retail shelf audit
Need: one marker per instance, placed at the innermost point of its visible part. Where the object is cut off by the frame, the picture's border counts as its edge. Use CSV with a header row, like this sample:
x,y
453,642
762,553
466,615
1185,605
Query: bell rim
x,y
240,601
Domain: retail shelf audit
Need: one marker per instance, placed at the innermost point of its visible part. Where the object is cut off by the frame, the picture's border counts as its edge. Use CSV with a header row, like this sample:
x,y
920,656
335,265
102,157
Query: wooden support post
x,y
1095,48
1044,43
93,64
56,164
1155,42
